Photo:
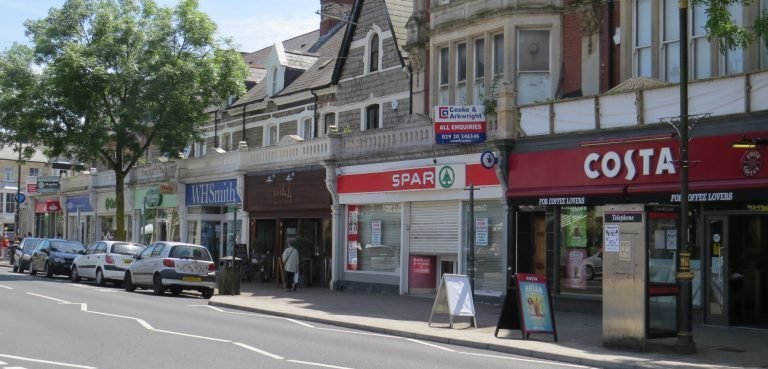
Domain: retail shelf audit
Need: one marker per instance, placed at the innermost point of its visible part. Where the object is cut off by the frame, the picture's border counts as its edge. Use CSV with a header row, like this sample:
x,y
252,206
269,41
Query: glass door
x,y
717,293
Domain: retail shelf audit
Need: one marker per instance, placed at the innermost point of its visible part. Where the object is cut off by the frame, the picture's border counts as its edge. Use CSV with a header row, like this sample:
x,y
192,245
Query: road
x,y
52,323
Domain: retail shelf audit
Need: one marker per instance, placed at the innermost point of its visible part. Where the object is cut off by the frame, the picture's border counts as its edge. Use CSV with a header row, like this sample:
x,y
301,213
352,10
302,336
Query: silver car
x,y
173,266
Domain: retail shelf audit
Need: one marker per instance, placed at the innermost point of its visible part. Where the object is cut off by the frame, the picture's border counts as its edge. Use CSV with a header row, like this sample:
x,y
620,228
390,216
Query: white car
x,y
173,266
105,261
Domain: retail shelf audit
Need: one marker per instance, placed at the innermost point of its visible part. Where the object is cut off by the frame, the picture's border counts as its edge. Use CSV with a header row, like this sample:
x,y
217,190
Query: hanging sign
x,y
454,297
459,124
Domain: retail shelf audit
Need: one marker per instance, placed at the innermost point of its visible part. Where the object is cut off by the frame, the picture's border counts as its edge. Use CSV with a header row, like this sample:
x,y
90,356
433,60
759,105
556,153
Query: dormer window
x,y
373,48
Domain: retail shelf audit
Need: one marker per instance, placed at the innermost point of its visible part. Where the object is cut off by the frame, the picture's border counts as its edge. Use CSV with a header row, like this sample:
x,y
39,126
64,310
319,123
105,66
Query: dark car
x,y
55,256
24,254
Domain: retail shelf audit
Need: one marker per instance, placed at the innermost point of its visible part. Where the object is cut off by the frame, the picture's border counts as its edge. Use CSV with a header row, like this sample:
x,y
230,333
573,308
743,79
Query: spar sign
x,y
459,124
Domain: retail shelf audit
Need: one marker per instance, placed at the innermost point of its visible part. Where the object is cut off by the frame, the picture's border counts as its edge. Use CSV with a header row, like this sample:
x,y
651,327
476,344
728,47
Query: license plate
x,y
191,278
127,261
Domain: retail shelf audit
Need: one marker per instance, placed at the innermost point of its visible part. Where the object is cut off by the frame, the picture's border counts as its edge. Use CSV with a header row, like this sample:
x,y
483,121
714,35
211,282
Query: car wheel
x,y
74,276
32,270
590,273
48,270
207,293
128,283
157,285
100,278
175,291
15,268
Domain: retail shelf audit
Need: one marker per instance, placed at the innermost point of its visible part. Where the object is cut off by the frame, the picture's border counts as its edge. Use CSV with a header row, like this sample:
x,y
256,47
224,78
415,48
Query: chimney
x,y
335,9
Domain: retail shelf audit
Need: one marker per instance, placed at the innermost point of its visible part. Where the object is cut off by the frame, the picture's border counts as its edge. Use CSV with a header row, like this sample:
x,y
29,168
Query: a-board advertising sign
x,y
455,124
532,310
454,297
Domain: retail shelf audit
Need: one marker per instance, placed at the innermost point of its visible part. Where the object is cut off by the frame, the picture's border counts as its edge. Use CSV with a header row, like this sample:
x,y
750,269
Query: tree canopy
x,y
121,76
723,27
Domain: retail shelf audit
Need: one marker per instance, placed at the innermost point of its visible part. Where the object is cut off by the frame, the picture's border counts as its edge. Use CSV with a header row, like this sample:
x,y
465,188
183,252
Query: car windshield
x,y
71,247
127,248
189,252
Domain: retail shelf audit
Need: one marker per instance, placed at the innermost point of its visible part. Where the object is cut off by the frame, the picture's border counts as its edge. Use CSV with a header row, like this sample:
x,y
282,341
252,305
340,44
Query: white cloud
x,y
257,32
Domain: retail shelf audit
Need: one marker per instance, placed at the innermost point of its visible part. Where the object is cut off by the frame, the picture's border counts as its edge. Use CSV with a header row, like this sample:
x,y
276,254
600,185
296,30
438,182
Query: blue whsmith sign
x,y
212,193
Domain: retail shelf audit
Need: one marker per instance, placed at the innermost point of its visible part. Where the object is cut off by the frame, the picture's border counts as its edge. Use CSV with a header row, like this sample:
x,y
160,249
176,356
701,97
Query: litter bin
x,y
228,277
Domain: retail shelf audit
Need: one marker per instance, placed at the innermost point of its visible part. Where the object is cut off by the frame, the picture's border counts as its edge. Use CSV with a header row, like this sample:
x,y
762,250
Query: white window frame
x,y
461,82
326,126
34,172
639,50
226,141
375,31
701,67
519,72
738,55
8,174
495,72
268,141
478,86
443,70
273,85
303,128
669,59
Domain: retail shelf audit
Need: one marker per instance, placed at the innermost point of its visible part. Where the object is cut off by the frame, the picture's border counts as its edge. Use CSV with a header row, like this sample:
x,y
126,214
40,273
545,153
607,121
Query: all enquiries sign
x,y
459,124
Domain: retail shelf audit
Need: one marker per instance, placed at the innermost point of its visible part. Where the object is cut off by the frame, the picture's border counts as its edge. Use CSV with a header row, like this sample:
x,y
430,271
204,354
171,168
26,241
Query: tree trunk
x,y
120,205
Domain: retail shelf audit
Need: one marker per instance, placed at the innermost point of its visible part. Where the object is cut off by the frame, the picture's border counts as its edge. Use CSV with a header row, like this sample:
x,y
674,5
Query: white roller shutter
x,y
435,227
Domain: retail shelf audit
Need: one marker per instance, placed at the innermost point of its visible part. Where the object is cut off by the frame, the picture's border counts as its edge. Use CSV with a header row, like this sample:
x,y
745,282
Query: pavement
x,y
579,334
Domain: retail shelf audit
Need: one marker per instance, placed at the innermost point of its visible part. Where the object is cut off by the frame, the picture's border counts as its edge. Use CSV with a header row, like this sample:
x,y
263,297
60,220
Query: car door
x,y
39,255
156,259
86,263
140,267
98,256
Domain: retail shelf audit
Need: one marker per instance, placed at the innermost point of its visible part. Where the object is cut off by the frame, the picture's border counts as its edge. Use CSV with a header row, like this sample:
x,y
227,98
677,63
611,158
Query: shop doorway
x,y
738,278
210,237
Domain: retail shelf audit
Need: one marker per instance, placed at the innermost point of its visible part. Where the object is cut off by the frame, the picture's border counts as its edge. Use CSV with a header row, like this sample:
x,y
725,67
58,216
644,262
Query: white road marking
x,y
300,322
360,333
430,345
46,362
7,288
522,359
192,336
3,363
13,367
247,347
318,364
49,298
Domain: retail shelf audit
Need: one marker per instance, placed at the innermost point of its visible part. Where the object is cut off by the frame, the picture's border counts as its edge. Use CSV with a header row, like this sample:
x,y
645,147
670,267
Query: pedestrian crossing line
x,y
21,358
7,288
318,364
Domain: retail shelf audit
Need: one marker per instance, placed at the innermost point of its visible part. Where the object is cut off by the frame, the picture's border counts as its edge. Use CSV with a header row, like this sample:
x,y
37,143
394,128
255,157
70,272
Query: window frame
x,y
497,51
268,140
366,114
374,53
326,126
637,48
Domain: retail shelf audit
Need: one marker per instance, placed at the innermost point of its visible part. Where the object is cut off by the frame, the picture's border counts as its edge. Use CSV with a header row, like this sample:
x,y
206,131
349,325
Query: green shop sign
x,y
153,198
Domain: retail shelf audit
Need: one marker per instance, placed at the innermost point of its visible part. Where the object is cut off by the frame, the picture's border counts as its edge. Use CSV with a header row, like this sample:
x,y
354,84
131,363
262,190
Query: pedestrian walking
x,y
291,267
4,247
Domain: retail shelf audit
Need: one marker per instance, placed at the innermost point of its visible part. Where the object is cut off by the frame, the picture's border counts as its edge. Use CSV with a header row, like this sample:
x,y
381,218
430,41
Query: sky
x,y
251,24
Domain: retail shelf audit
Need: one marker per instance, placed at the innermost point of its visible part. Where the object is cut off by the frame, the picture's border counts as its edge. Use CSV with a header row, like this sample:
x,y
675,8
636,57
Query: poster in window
x,y
352,236
671,239
575,269
481,231
376,232
352,247
576,235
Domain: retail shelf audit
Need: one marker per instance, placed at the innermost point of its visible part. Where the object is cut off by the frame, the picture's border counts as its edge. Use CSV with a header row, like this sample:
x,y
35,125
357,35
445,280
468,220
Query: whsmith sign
x,y
212,193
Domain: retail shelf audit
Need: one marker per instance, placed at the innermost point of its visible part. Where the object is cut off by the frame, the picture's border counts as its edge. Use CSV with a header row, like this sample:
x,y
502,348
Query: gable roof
x,y
321,72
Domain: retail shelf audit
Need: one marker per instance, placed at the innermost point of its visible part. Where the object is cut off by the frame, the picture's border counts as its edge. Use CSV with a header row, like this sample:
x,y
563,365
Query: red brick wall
x,y
571,73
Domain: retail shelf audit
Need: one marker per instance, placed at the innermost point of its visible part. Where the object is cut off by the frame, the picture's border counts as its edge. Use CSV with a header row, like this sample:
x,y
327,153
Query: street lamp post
x,y
18,192
684,342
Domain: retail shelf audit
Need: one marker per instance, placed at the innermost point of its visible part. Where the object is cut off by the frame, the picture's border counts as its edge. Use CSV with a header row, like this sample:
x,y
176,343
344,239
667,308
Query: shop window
x,y
376,246
489,250
443,80
581,250
461,74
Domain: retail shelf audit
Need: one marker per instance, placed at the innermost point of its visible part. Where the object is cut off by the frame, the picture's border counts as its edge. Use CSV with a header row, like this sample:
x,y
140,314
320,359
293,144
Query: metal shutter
x,y
435,227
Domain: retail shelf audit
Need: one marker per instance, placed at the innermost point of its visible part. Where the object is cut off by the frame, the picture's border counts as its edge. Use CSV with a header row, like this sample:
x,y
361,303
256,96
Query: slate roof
x,y
321,72
399,12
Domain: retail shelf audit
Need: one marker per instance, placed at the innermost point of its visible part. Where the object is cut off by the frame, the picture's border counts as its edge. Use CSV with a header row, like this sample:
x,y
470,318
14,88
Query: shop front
x,y
49,219
106,216
210,218
290,206
156,210
563,199
80,219
407,224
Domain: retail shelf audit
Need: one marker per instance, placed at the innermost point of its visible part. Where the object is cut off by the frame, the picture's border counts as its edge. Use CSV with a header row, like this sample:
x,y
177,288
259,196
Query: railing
x,y
288,155
159,172
104,179
718,97
400,139
75,183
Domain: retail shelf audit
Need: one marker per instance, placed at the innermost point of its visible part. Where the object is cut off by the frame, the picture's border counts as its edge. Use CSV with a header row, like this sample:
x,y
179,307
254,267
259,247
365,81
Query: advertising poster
x,y
611,238
376,232
577,230
456,124
575,273
535,309
352,236
481,231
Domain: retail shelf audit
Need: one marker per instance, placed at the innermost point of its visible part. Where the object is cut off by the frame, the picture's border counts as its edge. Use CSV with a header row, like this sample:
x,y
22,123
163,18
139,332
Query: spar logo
x,y
442,112
446,176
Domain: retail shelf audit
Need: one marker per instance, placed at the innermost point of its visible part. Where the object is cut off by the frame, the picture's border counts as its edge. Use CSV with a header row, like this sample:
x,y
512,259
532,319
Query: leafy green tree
x,y
18,91
722,27
121,76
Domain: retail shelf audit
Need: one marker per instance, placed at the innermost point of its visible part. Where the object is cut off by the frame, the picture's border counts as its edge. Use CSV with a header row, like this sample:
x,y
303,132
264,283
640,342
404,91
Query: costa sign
x,y
650,162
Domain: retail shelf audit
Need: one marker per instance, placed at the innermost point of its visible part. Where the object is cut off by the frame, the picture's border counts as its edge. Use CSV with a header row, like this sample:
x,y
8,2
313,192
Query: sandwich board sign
x,y
530,310
454,297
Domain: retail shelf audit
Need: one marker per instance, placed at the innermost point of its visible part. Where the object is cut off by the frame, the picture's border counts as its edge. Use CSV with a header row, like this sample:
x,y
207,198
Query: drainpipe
x,y
243,138
611,30
410,89
315,113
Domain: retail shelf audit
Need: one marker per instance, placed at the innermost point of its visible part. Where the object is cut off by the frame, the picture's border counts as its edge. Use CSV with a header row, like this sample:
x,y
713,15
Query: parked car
x,y
593,265
173,266
24,254
54,257
105,261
